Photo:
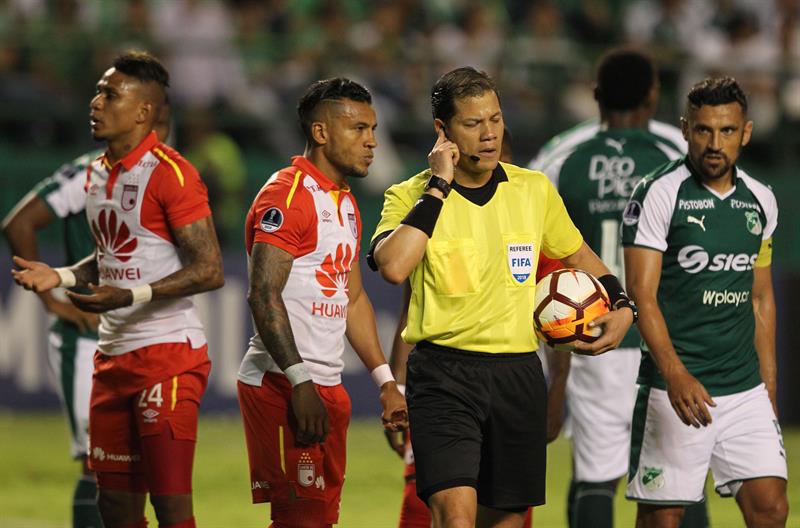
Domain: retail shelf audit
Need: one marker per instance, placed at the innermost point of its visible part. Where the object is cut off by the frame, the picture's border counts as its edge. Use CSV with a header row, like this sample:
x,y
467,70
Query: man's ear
x,y
747,133
145,113
319,132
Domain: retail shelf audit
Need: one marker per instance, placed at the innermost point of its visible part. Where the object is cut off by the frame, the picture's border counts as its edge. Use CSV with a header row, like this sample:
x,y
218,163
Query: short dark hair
x,y
326,90
143,66
457,84
716,91
625,77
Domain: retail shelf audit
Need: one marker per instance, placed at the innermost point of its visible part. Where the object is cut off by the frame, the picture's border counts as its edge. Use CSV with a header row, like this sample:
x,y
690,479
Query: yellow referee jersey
x,y
474,288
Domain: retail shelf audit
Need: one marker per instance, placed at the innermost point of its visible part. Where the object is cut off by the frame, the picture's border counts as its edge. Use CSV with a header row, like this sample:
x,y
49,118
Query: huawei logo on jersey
x,y
113,238
334,272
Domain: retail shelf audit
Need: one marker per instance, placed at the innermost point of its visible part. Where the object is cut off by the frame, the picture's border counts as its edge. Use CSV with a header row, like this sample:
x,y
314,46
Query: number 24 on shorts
x,y
151,395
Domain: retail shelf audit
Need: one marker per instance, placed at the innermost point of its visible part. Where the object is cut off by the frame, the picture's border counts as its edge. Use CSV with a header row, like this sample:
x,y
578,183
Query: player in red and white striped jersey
x,y
303,236
148,211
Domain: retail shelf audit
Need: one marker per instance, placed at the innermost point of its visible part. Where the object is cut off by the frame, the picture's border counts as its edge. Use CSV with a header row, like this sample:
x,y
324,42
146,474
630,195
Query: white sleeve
x,y
69,197
767,201
655,214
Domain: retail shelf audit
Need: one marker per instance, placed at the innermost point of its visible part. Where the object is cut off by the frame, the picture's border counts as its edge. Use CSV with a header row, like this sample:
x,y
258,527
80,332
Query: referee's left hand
x,y
395,411
615,325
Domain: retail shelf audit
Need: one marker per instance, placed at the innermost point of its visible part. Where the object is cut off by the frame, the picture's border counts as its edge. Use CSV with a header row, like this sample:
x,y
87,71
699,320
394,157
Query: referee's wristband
x,y
68,279
141,294
382,374
617,296
424,214
297,374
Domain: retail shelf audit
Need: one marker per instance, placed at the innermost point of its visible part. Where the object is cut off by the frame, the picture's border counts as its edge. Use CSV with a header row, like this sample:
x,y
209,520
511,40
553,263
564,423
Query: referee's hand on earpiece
x,y
444,157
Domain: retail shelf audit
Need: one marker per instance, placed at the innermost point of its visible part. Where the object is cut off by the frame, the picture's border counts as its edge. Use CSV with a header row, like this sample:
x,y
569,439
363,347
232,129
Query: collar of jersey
x,y
305,165
133,157
623,132
699,177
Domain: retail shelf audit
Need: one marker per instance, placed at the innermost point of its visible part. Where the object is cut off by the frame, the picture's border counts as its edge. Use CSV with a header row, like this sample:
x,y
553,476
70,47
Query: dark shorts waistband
x,y
456,353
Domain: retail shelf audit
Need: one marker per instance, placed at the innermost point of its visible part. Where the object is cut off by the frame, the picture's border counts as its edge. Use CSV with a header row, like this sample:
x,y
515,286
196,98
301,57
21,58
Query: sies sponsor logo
x,y
113,236
334,272
694,259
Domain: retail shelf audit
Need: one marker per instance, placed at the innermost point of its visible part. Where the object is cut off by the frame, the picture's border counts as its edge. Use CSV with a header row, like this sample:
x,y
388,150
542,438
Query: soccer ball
x,y
566,301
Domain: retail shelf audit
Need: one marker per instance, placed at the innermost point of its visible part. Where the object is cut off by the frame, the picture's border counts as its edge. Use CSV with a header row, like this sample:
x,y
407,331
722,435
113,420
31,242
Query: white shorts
x,y
670,460
601,393
72,362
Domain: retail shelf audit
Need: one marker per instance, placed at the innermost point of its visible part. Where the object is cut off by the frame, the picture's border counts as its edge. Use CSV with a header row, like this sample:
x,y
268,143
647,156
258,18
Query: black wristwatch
x,y
435,182
622,303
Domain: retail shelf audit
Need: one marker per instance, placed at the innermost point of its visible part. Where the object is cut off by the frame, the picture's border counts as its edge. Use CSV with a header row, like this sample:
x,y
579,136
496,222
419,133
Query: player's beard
x,y
350,170
709,173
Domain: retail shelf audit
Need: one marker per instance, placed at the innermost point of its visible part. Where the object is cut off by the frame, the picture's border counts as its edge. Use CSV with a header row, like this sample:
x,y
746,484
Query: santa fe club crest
x,y
305,470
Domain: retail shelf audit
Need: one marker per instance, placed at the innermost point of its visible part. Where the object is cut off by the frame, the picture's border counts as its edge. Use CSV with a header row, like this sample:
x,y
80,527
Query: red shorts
x,y
413,512
280,468
142,394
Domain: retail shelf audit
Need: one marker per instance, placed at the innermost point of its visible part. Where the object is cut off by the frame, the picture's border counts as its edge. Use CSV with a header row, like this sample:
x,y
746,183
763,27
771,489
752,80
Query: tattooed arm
x,y
202,262
201,271
269,271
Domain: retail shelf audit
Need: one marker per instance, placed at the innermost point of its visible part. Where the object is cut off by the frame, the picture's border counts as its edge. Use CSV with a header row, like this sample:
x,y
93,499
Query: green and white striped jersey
x,y
596,179
65,196
710,244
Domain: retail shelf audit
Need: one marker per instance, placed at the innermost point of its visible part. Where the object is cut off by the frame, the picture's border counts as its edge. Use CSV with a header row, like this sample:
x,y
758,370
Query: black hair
x,y
625,77
716,91
143,66
326,90
457,84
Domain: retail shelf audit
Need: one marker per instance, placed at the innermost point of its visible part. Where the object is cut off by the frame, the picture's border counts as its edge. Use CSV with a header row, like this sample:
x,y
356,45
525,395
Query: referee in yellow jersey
x,y
467,234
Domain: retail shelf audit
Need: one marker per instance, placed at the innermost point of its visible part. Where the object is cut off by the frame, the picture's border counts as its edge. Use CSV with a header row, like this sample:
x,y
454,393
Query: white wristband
x,y
141,294
381,374
402,388
297,374
68,279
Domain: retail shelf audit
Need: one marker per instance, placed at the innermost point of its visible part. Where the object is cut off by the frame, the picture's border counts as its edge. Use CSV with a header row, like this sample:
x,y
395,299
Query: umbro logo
x,y
699,221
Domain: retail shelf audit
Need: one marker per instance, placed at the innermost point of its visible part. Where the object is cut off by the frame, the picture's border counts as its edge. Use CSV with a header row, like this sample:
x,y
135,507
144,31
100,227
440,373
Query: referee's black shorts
x,y
478,420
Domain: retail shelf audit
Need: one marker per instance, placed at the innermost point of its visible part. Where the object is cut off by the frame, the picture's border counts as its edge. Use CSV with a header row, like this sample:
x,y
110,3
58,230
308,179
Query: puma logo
x,y
616,145
694,220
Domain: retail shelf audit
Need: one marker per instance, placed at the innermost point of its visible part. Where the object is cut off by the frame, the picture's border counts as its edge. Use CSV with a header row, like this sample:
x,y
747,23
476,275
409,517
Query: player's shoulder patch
x,y
632,212
271,220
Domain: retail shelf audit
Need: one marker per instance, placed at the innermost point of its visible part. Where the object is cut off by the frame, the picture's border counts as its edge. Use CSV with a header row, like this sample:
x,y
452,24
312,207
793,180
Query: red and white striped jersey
x,y
302,212
132,209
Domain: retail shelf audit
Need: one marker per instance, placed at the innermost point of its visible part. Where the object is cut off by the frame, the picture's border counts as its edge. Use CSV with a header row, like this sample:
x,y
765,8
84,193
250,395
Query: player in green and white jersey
x,y
698,250
73,335
556,150
595,178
